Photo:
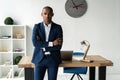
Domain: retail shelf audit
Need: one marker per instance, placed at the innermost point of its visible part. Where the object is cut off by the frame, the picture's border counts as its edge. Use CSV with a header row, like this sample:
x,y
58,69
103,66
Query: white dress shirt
x,y
47,32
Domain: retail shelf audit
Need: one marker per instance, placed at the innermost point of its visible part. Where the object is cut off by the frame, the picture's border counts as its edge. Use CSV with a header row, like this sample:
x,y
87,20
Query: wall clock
x,y
76,8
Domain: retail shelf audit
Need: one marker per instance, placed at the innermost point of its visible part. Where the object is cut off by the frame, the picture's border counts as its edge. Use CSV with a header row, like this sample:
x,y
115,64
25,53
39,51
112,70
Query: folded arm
x,y
35,35
56,44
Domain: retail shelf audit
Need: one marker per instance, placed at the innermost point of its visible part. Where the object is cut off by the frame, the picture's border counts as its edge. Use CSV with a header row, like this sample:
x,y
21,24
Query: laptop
x,y
66,55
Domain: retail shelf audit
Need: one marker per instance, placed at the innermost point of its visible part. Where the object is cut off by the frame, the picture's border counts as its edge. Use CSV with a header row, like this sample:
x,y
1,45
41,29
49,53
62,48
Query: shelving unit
x,y
12,45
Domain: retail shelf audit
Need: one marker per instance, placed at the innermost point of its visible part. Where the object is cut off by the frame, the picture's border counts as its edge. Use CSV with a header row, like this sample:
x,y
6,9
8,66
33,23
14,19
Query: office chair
x,y
76,70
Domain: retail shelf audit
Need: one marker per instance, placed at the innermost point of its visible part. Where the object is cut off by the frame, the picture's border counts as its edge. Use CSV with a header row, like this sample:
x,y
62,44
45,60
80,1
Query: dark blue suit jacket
x,y
55,32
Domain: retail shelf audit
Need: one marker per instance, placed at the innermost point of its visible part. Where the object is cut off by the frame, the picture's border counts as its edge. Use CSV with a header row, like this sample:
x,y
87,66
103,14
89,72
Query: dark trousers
x,y
47,64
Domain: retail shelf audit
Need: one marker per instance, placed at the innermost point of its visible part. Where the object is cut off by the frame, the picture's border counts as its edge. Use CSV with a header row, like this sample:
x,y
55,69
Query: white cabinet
x,y
12,48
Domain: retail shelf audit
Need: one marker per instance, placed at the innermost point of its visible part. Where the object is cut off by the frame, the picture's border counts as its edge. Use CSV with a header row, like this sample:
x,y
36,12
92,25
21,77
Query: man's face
x,y
47,15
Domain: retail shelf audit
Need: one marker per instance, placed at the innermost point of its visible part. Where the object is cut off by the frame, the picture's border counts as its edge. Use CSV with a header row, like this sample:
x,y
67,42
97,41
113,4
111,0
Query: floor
x,y
68,76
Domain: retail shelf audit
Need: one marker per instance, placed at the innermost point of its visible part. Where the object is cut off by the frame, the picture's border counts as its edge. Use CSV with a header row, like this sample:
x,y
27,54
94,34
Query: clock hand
x,y
74,5
80,5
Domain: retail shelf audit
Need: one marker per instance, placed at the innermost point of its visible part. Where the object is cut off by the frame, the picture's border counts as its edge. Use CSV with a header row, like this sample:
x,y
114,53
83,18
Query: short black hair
x,y
48,7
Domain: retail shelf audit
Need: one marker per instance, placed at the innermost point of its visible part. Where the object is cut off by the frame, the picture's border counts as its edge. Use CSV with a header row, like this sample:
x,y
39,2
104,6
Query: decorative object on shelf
x,y
4,50
8,21
18,50
17,59
76,8
6,37
9,75
20,72
19,36
7,62
16,73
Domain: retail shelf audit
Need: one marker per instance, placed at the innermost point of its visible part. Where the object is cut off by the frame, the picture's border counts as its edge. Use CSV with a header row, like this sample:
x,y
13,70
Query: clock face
x,y
75,8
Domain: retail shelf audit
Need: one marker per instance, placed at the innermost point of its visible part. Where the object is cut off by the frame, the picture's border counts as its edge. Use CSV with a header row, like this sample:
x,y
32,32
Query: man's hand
x,y
38,38
58,41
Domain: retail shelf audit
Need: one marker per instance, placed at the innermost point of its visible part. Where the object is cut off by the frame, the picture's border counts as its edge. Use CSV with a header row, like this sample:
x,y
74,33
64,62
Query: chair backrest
x,y
76,70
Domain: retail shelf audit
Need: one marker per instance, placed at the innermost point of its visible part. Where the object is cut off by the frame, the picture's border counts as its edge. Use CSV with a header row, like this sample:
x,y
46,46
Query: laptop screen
x,y
66,55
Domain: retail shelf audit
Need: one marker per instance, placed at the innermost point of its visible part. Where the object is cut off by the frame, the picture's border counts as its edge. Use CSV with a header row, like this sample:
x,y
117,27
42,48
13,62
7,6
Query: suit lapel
x,y
43,31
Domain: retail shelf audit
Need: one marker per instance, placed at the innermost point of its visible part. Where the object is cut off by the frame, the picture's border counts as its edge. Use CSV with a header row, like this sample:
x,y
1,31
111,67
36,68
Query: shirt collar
x,y
49,25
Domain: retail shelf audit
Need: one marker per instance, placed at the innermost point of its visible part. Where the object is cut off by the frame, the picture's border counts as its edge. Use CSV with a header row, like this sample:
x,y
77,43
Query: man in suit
x,y
47,38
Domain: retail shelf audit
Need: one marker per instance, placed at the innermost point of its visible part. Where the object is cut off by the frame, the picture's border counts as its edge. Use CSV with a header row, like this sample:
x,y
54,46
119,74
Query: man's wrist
x,y
50,44
43,49
47,53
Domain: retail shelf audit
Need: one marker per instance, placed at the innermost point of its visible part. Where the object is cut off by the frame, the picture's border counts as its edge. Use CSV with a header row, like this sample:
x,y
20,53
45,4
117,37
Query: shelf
x,y
12,45
5,52
6,65
5,38
5,78
18,39
19,52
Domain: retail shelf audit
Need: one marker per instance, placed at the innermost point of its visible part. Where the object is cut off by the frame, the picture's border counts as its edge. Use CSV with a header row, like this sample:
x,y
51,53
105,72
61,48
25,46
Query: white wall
x,y
100,25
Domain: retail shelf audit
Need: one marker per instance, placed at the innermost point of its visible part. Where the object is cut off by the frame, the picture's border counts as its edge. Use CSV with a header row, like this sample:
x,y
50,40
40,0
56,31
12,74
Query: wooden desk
x,y
98,61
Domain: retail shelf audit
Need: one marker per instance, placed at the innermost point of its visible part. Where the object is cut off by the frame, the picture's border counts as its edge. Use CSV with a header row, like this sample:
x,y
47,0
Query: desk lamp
x,y
87,44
